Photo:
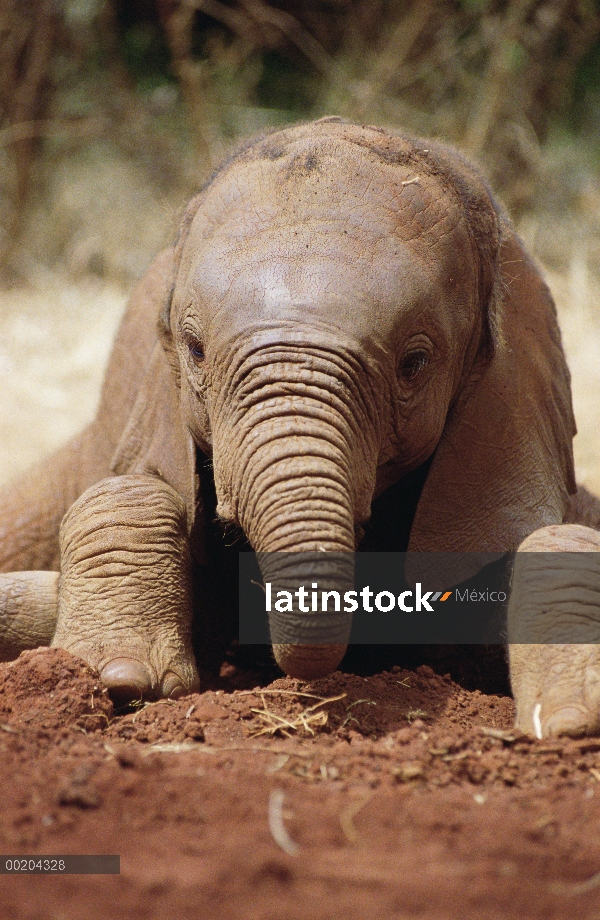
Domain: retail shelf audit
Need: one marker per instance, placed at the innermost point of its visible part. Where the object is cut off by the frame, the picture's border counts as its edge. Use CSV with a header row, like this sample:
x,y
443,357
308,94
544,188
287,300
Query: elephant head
x,y
345,304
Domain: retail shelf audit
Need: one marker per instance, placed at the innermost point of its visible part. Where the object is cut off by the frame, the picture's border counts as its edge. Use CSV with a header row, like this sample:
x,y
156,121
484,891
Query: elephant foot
x,y
554,632
124,598
556,689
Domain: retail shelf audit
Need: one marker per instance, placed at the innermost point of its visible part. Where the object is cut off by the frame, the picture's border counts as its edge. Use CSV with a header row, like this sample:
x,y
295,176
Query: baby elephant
x,y
345,311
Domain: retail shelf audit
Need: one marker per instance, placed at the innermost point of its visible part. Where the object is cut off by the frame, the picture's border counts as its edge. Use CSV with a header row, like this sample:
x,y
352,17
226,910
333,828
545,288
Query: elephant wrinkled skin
x,y
342,308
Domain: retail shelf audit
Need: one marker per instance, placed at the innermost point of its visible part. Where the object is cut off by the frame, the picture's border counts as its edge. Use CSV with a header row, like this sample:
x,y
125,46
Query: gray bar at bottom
x,y
60,865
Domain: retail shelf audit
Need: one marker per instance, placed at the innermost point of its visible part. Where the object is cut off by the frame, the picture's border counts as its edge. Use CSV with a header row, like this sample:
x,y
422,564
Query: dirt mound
x,y
47,692
396,795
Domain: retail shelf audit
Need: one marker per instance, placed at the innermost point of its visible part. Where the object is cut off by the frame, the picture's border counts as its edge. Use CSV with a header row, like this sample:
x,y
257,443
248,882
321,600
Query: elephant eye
x,y
196,350
413,363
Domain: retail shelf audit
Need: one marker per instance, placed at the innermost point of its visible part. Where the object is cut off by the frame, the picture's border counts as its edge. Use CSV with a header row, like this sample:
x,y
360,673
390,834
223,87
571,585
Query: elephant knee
x,y
555,595
561,538
126,513
124,551
28,611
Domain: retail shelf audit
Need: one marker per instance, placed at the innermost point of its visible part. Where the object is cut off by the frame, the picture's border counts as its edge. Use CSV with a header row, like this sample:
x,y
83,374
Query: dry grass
x,y
100,224
55,337
577,296
308,720
568,250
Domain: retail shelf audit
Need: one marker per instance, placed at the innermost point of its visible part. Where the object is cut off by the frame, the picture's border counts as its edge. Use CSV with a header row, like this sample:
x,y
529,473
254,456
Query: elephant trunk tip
x,y
308,662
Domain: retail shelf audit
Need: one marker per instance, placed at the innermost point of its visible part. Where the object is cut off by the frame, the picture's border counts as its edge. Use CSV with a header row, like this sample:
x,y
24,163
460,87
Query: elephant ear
x,y
504,464
155,439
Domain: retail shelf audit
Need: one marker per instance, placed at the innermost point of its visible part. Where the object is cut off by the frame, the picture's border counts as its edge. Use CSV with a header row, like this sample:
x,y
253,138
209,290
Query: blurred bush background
x,y
113,112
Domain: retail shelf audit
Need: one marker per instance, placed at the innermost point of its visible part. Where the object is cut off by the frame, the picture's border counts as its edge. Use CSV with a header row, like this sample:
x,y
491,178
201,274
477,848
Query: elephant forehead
x,y
322,181
331,226
307,265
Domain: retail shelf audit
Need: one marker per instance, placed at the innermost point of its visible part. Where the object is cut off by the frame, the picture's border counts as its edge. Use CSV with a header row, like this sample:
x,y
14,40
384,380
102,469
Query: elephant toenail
x,y
127,680
172,687
570,721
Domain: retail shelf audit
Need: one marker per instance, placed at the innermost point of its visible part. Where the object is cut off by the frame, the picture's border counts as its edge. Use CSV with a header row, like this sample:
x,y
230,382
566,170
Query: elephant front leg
x,y
28,611
554,632
124,594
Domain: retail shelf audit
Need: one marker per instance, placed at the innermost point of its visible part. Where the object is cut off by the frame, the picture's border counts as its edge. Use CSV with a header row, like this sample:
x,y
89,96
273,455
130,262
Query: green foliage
x,y
585,113
286,84
474,6
146,55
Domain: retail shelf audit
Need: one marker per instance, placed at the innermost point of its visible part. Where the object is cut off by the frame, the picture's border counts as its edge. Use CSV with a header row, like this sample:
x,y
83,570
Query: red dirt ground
x,y
413,798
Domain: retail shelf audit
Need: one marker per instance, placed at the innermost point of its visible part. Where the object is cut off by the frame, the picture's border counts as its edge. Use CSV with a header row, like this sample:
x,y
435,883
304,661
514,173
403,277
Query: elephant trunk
x,y
302,542
301,474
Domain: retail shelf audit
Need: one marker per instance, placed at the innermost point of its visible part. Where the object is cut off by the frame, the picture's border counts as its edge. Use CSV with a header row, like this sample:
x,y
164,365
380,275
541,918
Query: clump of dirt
x,y
400,794
47,692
